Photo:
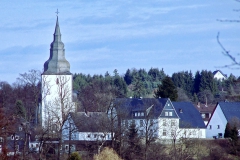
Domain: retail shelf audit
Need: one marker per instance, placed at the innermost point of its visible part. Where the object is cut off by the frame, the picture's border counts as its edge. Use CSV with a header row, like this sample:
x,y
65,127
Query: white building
x,y
56,84
219,75
90,126
223,113
162,118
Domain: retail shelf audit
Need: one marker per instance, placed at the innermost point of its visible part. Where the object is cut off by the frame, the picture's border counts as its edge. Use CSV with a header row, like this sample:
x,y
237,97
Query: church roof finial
x,y
57,12
57,28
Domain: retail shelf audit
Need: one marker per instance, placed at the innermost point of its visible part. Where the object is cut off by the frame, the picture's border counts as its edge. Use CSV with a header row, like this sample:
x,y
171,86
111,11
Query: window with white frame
x,y
194,132
133,121
200,133
173,122
151,121
210,126
166,113
172,133
141,123
139,114
12,137
164,132
218,126
126,123
17,148
1,139
164,122
72,147
142,113
16,137
66,147
135,114
170,113
141,132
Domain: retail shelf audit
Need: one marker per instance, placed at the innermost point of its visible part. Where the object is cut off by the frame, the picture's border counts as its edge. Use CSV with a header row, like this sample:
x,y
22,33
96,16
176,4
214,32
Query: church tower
x,y
56,84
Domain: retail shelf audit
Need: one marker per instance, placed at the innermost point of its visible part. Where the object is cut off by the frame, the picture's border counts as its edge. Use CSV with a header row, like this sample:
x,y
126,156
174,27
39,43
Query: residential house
x,y
191,123
166,119
205,110
223,113
85,128
15,137
219,75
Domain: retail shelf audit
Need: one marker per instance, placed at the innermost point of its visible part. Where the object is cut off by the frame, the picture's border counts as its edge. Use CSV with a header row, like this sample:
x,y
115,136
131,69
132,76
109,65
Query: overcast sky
x,y
103,35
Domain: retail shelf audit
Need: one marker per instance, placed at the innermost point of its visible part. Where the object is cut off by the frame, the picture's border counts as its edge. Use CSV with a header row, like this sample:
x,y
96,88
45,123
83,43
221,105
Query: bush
x,y
107,154
74,156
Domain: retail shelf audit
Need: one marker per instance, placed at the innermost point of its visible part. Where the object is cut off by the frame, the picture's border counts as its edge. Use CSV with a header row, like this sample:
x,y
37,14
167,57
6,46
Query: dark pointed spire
x,y
57,64
57,33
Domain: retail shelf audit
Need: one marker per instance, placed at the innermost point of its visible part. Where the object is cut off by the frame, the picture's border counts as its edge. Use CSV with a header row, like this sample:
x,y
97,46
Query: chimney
x,y
180,110
198,104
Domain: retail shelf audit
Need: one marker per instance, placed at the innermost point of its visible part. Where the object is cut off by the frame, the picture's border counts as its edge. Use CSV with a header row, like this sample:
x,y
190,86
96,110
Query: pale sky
x,y
103,35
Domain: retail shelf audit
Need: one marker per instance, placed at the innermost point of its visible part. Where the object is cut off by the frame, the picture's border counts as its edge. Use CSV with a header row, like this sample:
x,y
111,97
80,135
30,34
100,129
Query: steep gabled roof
x,y
230,109
127,106
189,115
91,121
220,72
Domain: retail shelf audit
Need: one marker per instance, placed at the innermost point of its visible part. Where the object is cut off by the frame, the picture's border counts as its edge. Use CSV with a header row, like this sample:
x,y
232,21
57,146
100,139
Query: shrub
x,y
74,156
107,154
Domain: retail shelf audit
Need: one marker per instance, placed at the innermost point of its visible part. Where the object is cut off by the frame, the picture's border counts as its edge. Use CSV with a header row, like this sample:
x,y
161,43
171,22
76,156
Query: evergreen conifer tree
x,y
166,90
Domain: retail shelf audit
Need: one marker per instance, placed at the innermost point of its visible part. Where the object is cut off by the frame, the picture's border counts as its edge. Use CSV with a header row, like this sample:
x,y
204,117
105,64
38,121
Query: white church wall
x,y
57,98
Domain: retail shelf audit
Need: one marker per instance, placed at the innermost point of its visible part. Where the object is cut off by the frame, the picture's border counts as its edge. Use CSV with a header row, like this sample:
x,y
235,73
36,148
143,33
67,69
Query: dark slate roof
x,y
126,106
190,116
230,109
91,121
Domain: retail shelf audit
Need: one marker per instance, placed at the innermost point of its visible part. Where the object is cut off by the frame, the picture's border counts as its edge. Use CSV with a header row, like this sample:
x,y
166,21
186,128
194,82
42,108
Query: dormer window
x,y
138,114
166,113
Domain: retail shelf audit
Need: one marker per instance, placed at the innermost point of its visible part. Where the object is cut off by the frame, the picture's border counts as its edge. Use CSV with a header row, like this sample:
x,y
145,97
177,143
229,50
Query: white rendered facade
x,y
219,76
165,128
216,124
57,98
